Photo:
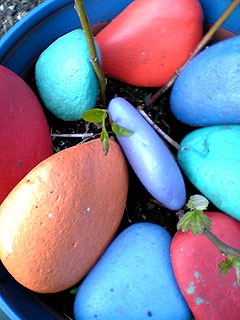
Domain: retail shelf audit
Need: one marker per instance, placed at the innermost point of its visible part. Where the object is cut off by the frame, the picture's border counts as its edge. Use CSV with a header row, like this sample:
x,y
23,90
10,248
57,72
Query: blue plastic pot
x,y
19,49
213,9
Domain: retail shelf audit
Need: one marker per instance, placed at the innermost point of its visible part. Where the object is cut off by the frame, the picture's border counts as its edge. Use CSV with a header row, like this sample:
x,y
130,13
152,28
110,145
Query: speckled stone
x,y
65,77
133,280
210,158
195,263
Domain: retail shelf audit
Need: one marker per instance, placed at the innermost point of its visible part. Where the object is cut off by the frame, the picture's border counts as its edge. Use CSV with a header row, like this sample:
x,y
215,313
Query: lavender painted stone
x,y
148,155
133,280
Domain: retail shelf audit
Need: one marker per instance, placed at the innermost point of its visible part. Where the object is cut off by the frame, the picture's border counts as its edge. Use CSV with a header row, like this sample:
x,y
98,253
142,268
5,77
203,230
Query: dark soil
x,y
140,204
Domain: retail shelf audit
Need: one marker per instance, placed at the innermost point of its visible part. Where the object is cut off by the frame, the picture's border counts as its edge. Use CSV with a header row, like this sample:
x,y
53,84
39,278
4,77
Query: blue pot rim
x,y
29,21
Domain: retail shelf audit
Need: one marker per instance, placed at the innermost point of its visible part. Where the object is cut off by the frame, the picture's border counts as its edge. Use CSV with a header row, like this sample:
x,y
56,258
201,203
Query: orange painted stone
x,y
59,219
195,261
24,134
149,40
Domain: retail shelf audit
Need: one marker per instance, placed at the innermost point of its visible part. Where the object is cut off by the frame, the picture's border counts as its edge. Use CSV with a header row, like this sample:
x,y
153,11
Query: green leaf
x,y
236,264
95,115
225,266
120,131
197,202
194,220
105,141
74,290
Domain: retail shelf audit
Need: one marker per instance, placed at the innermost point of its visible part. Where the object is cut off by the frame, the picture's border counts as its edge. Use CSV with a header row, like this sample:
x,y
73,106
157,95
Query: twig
x,y
81,11
221,246
72,135
160,131
201,44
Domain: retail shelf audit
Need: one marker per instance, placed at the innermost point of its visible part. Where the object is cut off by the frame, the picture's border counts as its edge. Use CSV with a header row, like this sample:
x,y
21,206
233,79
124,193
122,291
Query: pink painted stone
x,y
194,259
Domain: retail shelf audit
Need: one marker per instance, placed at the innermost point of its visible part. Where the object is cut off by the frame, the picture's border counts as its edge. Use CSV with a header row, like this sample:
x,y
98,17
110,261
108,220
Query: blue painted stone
x,y
148,155
210,157
65,77
212,10
133,280
207,92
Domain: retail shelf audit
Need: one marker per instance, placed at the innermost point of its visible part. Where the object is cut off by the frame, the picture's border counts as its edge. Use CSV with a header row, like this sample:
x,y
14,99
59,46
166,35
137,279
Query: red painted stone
x,y
194,259
24,134
149,40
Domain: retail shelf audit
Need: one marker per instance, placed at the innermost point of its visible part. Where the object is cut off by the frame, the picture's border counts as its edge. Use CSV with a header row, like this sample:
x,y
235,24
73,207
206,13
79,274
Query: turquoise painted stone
x,y
149,156
207,92
195,264
133,280
65,77
210,157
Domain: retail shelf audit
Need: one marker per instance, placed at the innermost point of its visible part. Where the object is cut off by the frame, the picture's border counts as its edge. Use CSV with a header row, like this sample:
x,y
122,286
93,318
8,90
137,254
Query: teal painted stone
x,y
133,280
207,91
65,77
210,157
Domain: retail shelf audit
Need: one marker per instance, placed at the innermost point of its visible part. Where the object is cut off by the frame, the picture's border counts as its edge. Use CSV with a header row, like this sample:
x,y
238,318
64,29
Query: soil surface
x,y
140,204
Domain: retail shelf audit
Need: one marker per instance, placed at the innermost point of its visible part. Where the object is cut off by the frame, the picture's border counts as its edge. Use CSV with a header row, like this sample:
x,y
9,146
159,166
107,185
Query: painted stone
x,y
59,219
207,92
212,10
25,138
149,156
195,263
133,279
65,77
149,40
210,158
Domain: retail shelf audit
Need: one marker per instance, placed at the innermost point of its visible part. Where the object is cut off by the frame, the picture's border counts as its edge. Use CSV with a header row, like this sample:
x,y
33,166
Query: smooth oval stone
x,y
210,158
212,10
149,40
59,219
148,155
133,280
65,77
25,138
207,91
195,263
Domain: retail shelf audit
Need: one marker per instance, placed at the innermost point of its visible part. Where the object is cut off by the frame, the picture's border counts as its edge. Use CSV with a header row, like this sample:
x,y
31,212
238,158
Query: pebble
x,y
210,158
60,218
207,91
25,138
133,280
149,156
65,78
149,40
195,263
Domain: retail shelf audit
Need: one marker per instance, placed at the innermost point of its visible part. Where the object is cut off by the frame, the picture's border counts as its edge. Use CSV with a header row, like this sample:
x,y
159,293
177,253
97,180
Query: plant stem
x,y
221,246
202,43
81,11
160,131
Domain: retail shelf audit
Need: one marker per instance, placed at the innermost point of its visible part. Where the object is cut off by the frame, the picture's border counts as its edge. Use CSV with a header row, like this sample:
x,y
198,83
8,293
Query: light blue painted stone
x,y
149,156
133,280
65,77
207,91
210,157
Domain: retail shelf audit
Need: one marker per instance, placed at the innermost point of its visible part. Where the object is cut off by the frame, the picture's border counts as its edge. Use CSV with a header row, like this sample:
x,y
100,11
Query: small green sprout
x,y
99,116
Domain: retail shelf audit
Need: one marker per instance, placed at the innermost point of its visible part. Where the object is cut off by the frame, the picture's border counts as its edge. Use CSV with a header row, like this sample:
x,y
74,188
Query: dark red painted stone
x,y
149,40
24,134
194,259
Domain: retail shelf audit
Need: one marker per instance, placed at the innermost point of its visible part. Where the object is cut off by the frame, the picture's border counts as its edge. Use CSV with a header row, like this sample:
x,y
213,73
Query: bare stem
x,y
221,246
81,11
160,131
199,47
